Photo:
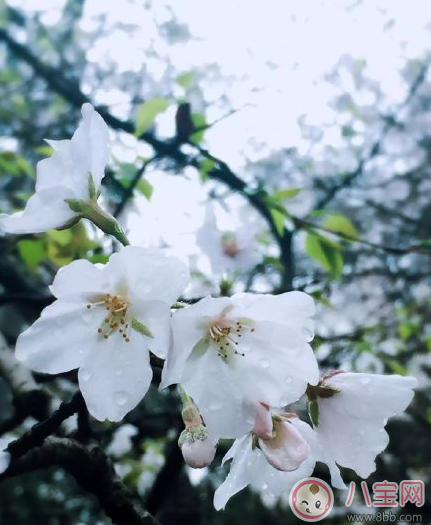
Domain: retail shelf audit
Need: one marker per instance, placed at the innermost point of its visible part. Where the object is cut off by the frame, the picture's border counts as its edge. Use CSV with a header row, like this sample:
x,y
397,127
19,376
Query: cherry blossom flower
x,y
232,354
351,423
229,250
250,465
74,172
104,321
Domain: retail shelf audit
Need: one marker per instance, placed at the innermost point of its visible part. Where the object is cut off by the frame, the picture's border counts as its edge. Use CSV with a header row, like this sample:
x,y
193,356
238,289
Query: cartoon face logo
x,y
311,499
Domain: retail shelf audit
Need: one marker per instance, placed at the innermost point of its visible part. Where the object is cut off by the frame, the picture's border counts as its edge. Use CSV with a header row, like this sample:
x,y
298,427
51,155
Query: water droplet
x,y
85,374
264,363
288,379
365,380
308,333
121,397
264,485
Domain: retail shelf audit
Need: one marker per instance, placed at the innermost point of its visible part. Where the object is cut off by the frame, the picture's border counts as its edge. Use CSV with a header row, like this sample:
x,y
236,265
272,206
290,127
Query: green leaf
x,y
146,188
279,219
286,194
325,252
199,120
205,167
186,79
340,224
147,112
32,252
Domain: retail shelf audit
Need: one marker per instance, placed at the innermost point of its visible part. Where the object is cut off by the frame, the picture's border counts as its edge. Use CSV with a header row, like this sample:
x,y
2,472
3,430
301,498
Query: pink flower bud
x,y
287,449
199,453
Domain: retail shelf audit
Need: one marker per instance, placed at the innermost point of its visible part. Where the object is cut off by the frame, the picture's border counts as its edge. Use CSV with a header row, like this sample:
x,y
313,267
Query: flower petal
x,y
149,274
287,449
156,316
79,281
59,340
214,388
351,423
115,376
277,364
188,328
44,210
89,146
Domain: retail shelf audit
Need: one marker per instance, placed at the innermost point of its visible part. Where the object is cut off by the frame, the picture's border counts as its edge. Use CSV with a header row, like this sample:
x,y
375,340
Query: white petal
x,y
351,423
149,274
56,170
372,395
240,473
188,328
89,146
59,340
115,377
277,364
214,387
293,307
44,210
156,316
79,280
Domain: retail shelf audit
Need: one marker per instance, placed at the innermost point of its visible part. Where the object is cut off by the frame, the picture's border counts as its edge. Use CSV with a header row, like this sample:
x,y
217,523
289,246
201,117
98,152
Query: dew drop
x,y
264,363
264,485
288,379
121,397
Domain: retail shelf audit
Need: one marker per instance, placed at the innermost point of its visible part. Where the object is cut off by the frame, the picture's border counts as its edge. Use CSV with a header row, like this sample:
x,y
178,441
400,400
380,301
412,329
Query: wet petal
x,y
60,339
115,376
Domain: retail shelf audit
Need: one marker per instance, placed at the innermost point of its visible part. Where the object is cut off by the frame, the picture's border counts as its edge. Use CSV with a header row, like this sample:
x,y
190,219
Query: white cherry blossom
x,y
104,321
250,467
232,250
232,354
351,423
65,175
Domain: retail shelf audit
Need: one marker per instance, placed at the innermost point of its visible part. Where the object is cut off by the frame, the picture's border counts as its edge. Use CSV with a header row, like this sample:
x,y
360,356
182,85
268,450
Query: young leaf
x,y
147,112
340,224
146,188
325,252
186,79
286,194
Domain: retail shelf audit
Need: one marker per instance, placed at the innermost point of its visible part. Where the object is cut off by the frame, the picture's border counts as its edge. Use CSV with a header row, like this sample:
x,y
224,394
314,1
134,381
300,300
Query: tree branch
x,y
93,472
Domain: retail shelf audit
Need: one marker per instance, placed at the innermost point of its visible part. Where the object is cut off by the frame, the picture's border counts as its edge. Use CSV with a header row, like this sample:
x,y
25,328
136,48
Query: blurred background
x,y
271,145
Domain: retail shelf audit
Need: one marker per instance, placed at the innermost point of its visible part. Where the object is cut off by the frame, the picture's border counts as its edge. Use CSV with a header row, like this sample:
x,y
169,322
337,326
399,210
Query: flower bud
x,y
197,449
287,449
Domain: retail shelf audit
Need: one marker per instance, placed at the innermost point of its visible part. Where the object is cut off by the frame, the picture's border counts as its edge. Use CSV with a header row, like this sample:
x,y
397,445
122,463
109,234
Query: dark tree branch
x,y
39,432
93,472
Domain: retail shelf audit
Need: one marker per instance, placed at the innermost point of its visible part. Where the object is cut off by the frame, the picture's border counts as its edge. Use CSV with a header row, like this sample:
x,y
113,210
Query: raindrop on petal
x,y
121,397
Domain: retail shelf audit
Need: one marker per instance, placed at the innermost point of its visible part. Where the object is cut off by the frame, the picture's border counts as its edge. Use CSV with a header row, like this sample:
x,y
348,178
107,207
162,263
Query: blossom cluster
x,y
240,361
